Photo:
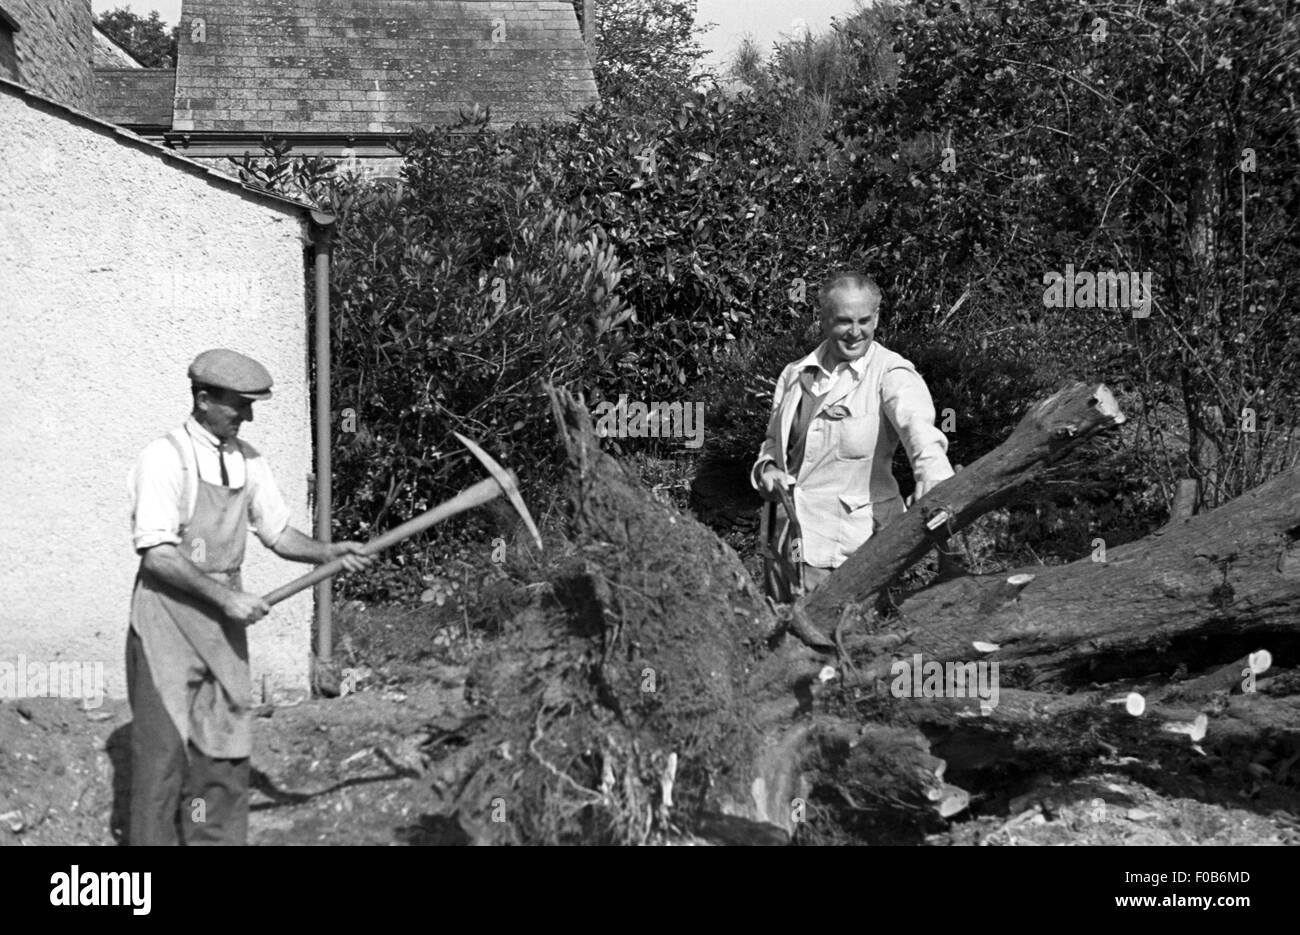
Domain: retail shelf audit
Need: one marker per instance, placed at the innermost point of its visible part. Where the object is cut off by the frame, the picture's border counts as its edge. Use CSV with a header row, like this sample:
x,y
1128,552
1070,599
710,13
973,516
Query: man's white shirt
x,y
906,402
846,488
156,481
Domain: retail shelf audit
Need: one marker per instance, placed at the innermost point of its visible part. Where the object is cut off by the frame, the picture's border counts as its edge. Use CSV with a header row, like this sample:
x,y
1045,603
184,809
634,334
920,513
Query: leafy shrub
x,y
657,251
1076,136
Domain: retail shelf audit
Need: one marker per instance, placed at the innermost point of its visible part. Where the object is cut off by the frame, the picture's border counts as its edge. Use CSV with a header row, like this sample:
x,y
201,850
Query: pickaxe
x,y
790,561
793,534
501,481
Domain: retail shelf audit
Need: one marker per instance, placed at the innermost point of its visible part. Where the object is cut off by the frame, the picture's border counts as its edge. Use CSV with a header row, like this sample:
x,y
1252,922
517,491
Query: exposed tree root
x,y
648,692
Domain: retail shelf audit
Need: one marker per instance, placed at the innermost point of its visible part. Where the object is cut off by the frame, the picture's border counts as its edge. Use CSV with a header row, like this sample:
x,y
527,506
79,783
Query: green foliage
x,y
657,251
616,254
146,39
647,51
619,253
714,223
811,74
1114,150
312,178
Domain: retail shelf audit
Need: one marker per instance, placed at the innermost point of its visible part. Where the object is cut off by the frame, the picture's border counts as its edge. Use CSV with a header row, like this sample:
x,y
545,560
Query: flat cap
x,y
230,370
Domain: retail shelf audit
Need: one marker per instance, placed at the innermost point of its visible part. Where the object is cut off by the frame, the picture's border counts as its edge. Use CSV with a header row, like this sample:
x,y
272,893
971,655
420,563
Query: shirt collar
x,y
814,360
197,431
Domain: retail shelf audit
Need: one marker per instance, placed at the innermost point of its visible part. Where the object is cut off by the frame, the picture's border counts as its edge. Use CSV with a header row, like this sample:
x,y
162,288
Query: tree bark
x,y
651,688
1051,429
1224,582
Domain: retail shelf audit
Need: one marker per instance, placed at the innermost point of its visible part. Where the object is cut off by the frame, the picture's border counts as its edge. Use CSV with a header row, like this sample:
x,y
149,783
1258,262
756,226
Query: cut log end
x,y
1260,662
1106,407
1133,703
1195,729
1077,411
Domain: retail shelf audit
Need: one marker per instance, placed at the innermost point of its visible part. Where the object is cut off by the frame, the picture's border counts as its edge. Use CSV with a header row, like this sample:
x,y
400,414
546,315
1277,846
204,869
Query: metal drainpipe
x,y
323,231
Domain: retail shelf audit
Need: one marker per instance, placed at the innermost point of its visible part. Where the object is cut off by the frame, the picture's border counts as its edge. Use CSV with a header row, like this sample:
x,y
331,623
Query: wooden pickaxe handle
x,y
794,533
479,494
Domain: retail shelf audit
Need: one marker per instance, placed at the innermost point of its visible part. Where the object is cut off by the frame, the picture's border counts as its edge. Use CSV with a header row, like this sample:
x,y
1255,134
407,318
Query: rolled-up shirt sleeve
x,y
907,404
154,484
267,512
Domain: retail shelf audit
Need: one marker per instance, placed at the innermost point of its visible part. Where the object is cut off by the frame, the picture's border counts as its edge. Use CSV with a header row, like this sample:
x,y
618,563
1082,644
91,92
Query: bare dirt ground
x,y
359,769
377,766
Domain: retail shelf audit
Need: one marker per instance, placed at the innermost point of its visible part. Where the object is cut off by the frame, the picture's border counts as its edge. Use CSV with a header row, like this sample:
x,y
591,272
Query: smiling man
x,y
838,416
195,493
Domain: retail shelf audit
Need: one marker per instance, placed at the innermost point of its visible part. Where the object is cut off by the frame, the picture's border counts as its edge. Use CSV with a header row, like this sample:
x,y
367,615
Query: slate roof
x,y
108,54
135,97
376,66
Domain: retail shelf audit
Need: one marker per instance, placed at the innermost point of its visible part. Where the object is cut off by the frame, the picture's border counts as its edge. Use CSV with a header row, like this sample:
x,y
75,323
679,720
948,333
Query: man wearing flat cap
x,y
195,493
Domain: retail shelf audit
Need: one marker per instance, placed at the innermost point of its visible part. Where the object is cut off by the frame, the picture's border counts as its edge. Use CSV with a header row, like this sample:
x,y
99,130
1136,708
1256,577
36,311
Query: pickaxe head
x,y
508,485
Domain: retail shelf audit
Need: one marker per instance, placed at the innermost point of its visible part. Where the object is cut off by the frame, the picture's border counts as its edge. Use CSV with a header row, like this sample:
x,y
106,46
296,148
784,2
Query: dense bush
x,y
646,52
617,254
670,253
1107,137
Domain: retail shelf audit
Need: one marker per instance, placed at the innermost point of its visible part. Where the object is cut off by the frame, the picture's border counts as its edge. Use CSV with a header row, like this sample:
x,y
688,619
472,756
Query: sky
x,y
764,20
169,10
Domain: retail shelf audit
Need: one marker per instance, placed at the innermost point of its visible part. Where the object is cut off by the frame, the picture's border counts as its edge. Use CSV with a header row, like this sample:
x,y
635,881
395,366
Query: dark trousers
x,y
778,586
177,799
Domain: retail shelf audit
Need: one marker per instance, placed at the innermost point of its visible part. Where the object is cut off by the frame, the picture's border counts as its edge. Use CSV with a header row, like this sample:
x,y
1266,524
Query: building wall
x,y
54,49
116,269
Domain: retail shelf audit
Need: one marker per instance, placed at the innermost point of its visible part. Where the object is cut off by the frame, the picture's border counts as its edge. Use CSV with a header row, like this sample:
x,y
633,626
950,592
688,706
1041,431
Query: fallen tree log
x,y
1050,430
646,689
1219,584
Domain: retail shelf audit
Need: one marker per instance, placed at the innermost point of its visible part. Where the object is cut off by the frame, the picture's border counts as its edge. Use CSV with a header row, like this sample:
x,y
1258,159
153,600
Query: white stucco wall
x,y
116,269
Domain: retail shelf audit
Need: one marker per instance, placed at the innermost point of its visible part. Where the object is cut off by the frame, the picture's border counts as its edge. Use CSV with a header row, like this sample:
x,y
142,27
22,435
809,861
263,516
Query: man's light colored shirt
x,y
906,402
845,488
851,370
156,480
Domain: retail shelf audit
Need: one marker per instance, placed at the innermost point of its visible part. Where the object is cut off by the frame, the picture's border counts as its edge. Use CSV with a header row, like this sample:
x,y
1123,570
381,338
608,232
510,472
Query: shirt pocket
x,y
856,519
856,436
852,502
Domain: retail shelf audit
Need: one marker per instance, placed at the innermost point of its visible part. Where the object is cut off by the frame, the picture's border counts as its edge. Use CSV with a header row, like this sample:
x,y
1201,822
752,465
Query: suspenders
x,y
184,445
190,474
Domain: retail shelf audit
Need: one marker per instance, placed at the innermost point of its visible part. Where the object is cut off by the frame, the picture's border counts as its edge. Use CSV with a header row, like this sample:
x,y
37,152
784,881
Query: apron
x,y
198,659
